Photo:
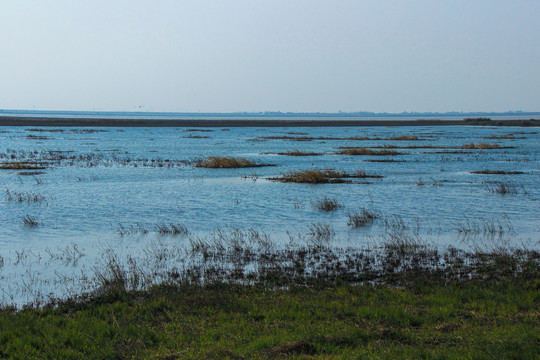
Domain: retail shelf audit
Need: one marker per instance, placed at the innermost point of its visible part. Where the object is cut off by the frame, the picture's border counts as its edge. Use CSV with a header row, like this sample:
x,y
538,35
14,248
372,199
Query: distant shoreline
x,y
111,122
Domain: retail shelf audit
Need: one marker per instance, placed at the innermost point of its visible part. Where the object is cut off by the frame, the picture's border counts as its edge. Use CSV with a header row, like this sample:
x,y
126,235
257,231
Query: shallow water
x,y
95,182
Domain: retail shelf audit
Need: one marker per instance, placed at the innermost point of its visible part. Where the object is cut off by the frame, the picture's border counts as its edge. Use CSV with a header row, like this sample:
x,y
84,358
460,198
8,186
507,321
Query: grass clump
x,y
30,221
299,153
366,152
227,162
327,204
497,172
24,196
481,146
172,229
504,189
404,137
325,176
361,219
21,165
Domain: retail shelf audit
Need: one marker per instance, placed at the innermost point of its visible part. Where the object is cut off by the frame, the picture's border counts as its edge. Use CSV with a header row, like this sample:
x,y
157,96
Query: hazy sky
x,y
273,55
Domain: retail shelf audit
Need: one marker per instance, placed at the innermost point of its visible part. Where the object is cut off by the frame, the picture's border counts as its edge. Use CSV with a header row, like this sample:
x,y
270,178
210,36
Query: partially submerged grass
x,y
200,130
497,172
172,229
195,136
30,221
222,162
27,196
403,300
21,165
325,176
404,137
299,153
481,146
361,219
384,160
327,204
505,189
37,137
366,151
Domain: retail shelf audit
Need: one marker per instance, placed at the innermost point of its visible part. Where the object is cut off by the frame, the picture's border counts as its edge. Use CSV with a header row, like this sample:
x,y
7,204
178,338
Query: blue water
x,y
109,179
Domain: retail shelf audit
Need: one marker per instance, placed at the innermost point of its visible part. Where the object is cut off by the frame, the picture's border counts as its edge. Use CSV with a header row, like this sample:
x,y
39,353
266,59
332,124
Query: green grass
x,y
456,321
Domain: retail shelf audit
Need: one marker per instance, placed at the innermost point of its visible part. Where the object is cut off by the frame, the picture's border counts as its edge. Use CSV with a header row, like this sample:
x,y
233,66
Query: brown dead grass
x,y
367,152
228,162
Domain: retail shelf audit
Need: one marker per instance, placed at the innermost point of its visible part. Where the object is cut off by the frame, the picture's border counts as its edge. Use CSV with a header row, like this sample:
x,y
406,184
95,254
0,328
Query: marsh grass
x,y
384,160
325,176
482,146
37,137
320,234
326,204
222,162
473,320
497,172
404,138
30,173
172,229
367,152
30,221
299,153
195,136
505,189
23,165
27,196
124,230
361,219
483,226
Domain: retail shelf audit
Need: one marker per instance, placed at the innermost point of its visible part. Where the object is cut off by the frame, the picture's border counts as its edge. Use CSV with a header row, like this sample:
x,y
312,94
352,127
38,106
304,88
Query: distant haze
x,y
254,55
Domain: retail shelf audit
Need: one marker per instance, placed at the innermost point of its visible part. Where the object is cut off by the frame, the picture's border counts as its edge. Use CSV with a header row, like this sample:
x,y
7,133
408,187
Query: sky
x,y
270,55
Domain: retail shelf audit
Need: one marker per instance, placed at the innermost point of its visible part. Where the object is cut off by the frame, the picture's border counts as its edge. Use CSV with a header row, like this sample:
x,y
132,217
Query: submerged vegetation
x,y
24,196
481,146
361,219
402,299
365,151
299,153
325,176
222,162
21,166
326,204
497,172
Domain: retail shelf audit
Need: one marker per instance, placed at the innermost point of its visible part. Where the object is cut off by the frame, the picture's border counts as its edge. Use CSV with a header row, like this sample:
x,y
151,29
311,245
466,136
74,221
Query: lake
x,y
73,196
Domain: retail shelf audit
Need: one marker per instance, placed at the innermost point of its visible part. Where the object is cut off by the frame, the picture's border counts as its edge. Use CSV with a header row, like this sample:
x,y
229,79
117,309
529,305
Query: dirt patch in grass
x,y
228,162
292,348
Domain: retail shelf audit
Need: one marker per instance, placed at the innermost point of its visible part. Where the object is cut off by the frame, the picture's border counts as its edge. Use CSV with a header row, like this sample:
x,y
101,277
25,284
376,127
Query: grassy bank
x,y
481,320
